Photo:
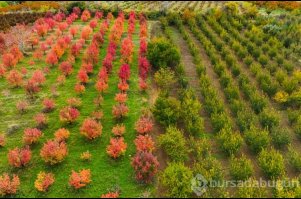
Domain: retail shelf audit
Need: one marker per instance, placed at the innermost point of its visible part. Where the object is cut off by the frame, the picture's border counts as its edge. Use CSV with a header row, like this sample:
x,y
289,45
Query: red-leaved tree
x,y
116,148
146,166
54,152
19,157
91,129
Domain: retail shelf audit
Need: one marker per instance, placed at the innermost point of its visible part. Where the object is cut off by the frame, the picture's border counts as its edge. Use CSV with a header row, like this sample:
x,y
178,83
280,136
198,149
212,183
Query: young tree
x,y
54,152
44,181
116,148
15,78
31,136
9,185
80,179
19,157
146,166
91,129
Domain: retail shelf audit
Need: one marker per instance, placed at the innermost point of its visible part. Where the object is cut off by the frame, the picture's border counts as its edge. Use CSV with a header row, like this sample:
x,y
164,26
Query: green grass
x,y
106,173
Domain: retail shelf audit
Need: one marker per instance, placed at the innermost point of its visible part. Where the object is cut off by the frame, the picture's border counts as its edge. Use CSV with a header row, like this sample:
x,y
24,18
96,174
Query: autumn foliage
x,y
80,179
144,125
31,136
44,181
8,185
61,135
118,130
144,143
54,152
66,68
19,157
145,165
91,129
69,114
116,148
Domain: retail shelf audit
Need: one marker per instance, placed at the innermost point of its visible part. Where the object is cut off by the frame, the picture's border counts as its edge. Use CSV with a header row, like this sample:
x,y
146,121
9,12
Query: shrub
x,y
8,185
245,120
144,125
269,118
79,88
174,144
294,158
116,148
61,135
257,139
124,72
201,148
74,102
52,58
101,86
48,104
19,157
82,76
165,78
176,180
41,120
230,141
54,152
44,181
241,168
220,121
86,156
91,129
287,188
80,179
120,97
252,189
14,78
69,114
118,130
167,110
161,53
66,68
9,60
31,136
144,143
272,163
120,111
145,165
280,137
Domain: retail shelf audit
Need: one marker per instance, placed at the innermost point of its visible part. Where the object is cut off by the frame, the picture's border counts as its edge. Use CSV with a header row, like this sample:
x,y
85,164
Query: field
x,y
117,101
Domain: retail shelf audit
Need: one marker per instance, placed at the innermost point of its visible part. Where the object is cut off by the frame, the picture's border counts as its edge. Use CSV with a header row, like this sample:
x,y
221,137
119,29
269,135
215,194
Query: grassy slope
x,y
106,173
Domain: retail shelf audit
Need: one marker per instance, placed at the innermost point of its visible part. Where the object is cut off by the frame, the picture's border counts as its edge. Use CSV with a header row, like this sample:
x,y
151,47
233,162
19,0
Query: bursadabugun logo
x,y
199,185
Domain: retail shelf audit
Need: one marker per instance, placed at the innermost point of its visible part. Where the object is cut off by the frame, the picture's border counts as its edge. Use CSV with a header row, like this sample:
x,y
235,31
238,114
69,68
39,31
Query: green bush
x,y
167,110
162,53
293,115
287,188
269,118
241,168
176,181
248,60
174,144
245,119
294,159
210,168
230,141
263,60
201,148
258,103
280,137
252,189
257,139
271,163
190,109
220,121
165,78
